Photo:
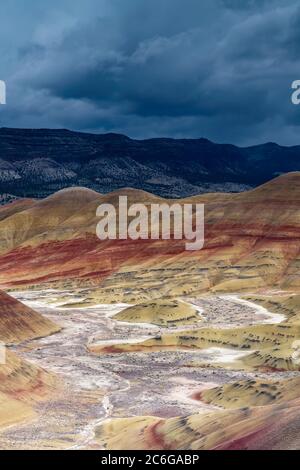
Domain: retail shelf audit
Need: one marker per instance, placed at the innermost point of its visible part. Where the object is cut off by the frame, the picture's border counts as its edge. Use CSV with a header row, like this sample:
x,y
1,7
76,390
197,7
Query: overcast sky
x,y
220,69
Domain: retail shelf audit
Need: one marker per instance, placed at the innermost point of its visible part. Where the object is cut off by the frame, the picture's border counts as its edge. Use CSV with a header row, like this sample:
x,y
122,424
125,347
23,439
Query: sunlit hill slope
x,y
21,384
251,241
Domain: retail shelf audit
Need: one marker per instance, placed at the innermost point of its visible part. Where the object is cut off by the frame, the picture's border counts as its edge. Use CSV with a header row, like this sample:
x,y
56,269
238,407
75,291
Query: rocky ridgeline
x,y
36,163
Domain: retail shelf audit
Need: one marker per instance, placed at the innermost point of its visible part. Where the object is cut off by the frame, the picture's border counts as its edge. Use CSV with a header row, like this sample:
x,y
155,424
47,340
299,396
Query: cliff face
x,y
37,162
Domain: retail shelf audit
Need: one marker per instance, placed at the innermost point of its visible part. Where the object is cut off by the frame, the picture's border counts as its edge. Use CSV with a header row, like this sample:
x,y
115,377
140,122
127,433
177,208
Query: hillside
x,y
251,242
259,428
161,312
20,323
37,162
21,384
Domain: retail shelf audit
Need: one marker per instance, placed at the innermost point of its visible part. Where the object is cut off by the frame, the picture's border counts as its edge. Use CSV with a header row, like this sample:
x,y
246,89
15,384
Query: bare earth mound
x,y
19,322
259,428
160,312
21,384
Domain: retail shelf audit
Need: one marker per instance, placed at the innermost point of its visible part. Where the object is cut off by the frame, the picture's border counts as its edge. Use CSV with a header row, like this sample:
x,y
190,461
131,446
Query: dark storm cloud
x,y
216,68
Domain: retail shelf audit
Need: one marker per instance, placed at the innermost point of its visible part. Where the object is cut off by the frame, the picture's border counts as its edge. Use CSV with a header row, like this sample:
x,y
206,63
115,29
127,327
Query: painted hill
x,y
252,244
273,427
13,411
251,241
21,384
20,323
161,312
252,392
254,414
270,347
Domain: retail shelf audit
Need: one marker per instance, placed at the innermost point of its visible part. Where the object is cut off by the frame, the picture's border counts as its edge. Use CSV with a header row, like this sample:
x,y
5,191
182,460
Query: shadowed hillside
x,y
36,162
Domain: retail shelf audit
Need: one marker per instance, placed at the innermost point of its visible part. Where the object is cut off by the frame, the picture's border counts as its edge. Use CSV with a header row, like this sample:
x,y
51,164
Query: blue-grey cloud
x,y
216,68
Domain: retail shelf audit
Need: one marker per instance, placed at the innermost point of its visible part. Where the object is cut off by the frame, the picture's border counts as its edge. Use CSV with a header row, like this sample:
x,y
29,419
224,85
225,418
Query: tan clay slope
x,y
250,244
259,428
252,392
22,380
15,207
160,312
64,215
252,240
20,323
288,305
43,217
13,411
21,384
270,347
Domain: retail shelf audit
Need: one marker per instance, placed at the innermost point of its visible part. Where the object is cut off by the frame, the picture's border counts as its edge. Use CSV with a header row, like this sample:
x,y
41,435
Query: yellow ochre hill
x,y
251,242
20,323
21,384
160,312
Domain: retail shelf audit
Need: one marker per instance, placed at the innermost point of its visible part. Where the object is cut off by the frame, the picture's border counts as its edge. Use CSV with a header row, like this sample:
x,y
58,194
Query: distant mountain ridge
x,y
38,162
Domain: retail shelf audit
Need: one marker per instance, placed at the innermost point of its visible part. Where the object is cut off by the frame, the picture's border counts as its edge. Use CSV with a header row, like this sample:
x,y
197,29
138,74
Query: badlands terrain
x,y
143,345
